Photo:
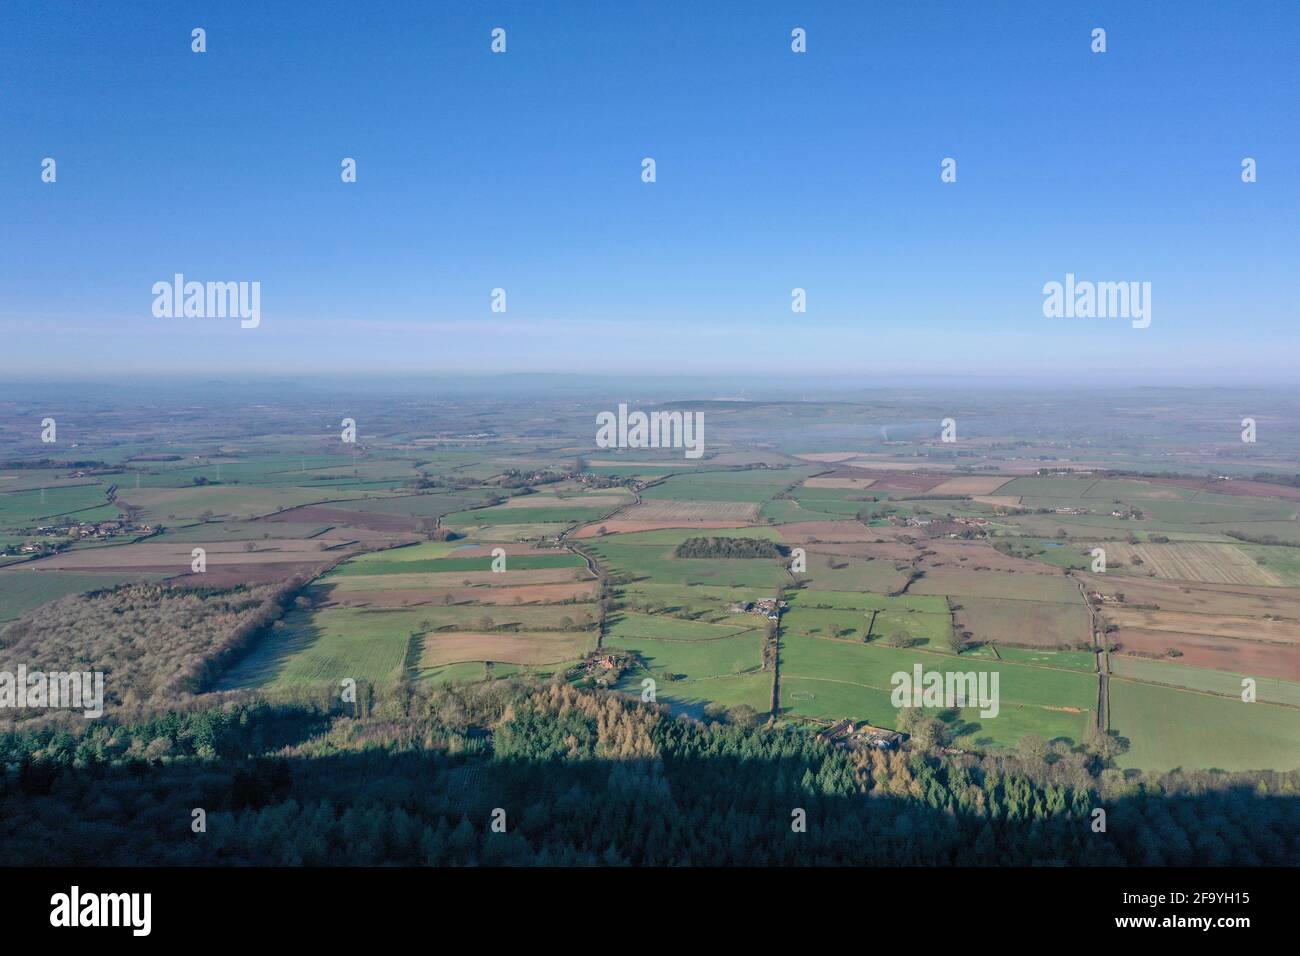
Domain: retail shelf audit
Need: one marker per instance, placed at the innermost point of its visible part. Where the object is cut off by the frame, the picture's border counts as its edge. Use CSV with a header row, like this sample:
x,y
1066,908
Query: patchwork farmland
x,y
781,587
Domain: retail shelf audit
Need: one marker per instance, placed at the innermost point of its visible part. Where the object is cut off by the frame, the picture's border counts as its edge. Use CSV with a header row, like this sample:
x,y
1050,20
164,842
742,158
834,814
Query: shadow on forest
x,y
378,806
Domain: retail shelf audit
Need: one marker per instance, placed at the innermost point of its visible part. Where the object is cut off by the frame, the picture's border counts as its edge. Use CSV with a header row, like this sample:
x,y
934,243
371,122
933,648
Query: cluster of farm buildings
x,y
937,526
855,736
771,608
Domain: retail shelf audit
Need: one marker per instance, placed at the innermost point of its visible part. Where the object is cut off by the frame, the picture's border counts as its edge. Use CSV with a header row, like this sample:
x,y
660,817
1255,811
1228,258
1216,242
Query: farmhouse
x,y
606,668
836,730
847,734
770,608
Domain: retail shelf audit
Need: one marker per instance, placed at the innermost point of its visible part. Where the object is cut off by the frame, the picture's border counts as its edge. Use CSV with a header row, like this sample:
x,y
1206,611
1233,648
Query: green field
x,y
822,504
1063,554
20,591
695,659
533,617
1069,660
624,627
1284,562
167,505
328,646
474,671
1168,728
929,627
1267,689
1047,701
754,485
827,700
649,554
703,602
787,510
552,515
1053,488
693,696
22,509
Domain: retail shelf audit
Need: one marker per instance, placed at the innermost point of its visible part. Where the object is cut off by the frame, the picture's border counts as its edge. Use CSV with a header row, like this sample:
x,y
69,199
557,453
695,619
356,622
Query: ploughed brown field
x,y
886,480
970,485
1214,653
1214,625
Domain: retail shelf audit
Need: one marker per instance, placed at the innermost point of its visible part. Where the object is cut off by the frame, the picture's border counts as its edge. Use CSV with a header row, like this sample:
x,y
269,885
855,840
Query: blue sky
x,y
775,170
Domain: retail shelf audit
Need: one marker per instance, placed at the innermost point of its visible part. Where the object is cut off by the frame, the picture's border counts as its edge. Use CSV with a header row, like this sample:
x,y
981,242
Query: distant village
x,y
78,531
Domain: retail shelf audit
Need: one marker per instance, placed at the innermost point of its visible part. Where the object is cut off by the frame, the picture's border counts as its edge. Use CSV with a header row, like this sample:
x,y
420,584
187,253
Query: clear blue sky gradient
x,y
775,170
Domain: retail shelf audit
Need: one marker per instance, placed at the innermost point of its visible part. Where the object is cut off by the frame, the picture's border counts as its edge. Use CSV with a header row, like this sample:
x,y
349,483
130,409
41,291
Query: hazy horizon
x,y
707,385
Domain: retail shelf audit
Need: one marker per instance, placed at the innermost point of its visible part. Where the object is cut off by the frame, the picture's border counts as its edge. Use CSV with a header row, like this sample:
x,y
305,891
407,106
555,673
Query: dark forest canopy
x,y
589,778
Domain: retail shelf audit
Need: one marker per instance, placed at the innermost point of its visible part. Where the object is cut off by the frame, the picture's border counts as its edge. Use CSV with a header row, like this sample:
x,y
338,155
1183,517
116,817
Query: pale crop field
x,y
1193,561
